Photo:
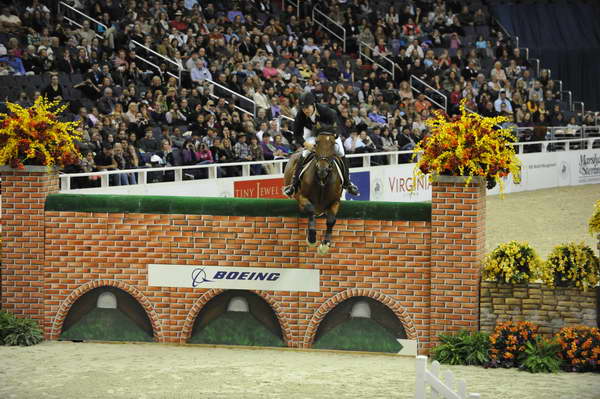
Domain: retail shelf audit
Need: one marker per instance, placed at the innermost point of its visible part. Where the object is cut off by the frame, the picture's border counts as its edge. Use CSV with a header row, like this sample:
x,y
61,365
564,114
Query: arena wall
x,y
421,260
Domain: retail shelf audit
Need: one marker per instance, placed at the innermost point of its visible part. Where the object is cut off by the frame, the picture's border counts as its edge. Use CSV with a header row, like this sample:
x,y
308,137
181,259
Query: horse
x,y
320,187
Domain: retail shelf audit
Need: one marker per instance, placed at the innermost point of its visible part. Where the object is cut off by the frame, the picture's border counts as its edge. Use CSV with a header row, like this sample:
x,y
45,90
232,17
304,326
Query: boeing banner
x,y
246,278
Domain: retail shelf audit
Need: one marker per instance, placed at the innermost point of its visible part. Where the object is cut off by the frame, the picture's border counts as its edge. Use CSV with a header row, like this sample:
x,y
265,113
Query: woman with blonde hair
x,y
131,115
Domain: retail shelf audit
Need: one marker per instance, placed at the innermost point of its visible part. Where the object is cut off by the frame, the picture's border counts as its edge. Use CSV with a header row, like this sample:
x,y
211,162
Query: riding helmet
x,y
307,99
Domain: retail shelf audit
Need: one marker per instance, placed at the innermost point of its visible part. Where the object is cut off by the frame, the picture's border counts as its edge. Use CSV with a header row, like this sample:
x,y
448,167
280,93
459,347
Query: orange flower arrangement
x,y
467,145
36,136
508,342
580,348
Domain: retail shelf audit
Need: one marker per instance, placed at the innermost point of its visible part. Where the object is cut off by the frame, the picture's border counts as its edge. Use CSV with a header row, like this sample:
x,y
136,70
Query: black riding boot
x,y
348,186
291,189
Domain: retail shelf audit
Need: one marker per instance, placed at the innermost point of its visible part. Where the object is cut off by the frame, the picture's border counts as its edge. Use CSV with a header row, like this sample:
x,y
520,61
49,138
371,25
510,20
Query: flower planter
x,y
475,180
28,168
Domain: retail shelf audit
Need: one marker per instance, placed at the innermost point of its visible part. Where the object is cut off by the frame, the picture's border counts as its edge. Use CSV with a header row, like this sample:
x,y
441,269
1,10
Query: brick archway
x,y
186,331
77,293
326,307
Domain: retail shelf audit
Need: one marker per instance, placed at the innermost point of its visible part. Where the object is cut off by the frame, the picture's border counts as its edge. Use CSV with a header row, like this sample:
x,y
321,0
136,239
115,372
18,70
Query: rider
x,y
306,123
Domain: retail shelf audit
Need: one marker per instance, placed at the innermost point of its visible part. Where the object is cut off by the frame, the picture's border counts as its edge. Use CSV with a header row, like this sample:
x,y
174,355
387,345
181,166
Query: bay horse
x,y
320,187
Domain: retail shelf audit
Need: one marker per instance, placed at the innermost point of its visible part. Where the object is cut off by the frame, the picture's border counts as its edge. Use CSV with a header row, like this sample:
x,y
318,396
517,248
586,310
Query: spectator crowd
x,y
192,82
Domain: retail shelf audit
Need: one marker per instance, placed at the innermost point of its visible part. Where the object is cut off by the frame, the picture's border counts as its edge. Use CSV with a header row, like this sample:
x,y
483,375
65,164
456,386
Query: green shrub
x,y
14,331
541,356
6,319
573,264
513,262
463,348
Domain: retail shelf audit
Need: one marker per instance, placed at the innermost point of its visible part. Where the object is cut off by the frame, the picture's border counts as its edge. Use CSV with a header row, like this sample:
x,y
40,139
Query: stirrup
x,y
352,189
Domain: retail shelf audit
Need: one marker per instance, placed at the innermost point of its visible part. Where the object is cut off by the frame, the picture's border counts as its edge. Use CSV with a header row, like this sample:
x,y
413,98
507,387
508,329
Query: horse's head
x,y
324,152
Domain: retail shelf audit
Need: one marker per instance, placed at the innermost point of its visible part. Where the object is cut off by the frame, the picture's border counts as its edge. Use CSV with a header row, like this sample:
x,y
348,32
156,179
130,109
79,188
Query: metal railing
x,y
69,13
536,61
340,35
251,103
581,104
391,67
169,61
570,95
423,87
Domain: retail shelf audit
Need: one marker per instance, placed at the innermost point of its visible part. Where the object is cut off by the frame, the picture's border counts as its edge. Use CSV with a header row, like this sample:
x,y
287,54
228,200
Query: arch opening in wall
x,y
107,314
361,324
237,317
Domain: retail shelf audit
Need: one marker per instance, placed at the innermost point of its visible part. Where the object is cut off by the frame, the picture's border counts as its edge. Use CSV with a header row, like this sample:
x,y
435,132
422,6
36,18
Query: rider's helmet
x,y
307,99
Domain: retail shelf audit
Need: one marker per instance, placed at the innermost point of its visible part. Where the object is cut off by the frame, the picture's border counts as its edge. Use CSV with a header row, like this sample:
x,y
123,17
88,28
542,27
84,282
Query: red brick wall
x,y
426,273
23,196
457,245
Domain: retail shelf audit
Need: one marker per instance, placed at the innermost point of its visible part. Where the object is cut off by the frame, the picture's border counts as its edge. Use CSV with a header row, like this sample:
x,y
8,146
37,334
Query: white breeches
x,y
309,138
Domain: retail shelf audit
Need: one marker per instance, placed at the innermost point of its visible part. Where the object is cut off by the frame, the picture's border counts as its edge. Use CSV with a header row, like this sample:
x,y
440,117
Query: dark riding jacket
x,y
325,116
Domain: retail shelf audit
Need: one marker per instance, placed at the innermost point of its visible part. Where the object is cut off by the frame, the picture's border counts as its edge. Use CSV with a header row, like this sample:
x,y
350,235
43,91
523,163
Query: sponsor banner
x,y
246,278
362,180
583,167
259,188
397,183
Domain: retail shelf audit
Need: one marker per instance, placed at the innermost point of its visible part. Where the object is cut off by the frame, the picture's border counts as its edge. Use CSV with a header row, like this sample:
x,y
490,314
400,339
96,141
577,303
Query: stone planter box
x,y
550,308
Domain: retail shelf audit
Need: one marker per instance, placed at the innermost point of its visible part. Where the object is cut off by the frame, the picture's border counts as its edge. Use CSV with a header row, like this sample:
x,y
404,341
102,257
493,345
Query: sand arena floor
x,y
107,370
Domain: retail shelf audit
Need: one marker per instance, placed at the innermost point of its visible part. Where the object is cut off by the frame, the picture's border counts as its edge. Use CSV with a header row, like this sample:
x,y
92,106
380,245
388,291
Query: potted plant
x,y
573,264
594,223
36,136
467,145
513,262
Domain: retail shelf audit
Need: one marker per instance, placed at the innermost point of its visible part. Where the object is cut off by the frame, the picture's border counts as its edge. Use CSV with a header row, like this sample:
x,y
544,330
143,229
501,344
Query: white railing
x,y
441,384
443,104
390,69
341,36
62,5
180,171
392,158
162,57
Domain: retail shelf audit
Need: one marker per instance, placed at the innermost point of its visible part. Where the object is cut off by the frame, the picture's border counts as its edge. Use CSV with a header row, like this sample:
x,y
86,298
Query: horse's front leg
x,y
331,219
309,209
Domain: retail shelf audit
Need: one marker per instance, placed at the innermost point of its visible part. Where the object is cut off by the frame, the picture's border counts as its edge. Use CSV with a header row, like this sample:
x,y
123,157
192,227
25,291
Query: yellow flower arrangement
x,y
594,223
573,264
513,262
467,145
35,136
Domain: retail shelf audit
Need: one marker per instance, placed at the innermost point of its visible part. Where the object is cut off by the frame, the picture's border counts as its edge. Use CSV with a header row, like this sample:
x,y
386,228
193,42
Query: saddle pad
x,y
337,162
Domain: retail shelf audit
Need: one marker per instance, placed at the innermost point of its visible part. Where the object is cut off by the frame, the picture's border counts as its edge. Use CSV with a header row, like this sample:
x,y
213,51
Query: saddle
x,y
311,157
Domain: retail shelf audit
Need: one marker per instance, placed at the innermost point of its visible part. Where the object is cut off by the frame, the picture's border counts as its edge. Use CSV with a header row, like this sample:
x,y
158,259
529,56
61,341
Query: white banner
x,y
247,278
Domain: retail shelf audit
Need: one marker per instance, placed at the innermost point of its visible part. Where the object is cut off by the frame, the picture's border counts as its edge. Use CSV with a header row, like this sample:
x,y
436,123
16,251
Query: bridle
x,y
324,172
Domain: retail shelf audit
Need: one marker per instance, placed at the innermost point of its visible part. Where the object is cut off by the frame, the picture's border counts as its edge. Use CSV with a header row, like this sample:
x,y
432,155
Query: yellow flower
x,y
36,135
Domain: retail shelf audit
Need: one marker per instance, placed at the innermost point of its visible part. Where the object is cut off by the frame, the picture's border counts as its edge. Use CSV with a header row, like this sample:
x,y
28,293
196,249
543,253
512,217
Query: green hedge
x,y
370,210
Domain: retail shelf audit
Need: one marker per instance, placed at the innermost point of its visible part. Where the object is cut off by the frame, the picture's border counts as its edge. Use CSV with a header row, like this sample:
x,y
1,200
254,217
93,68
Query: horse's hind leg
x,y
331,219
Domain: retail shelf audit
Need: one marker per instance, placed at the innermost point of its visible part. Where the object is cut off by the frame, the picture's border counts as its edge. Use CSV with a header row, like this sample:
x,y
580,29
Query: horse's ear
x,y
327,129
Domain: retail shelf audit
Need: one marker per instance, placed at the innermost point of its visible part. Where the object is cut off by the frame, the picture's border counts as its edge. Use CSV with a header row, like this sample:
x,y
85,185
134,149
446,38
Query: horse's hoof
x,y
323,249
311,244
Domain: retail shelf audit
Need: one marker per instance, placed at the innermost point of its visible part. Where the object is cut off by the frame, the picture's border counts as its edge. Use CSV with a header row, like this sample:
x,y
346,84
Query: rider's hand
x,y
309,146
